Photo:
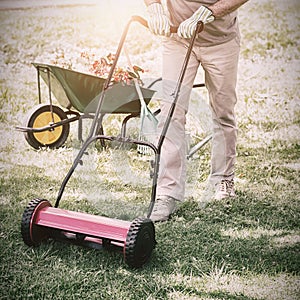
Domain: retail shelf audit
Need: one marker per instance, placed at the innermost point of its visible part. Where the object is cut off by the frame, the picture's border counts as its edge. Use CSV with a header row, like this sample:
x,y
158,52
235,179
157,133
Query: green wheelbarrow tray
x,y
82,91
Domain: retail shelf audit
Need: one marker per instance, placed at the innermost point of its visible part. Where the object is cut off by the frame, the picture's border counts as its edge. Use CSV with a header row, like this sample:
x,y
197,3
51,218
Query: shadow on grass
x,y
243,233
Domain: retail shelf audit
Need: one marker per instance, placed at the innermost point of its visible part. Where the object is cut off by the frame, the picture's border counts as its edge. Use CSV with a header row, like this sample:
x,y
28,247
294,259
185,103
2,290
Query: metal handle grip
x,y
145,23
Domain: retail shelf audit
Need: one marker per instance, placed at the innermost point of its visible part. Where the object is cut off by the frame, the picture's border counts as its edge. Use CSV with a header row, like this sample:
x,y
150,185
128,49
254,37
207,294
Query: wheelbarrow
x,y
135,239
48,125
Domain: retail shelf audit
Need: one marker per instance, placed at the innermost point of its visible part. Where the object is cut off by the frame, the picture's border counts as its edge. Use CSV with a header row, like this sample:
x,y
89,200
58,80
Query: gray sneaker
x,y
225,189
164,206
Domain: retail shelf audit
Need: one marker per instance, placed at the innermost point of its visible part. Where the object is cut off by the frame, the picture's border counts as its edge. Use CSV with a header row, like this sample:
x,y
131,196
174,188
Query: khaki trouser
x,y
220,66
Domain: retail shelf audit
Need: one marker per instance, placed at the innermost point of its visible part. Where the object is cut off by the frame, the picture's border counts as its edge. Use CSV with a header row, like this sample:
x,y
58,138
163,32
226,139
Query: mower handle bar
x,y
142,21
93,134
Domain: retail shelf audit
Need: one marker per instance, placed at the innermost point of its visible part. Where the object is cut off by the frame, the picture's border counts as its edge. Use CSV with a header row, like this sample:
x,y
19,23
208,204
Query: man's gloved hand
x,y
158,22
187,28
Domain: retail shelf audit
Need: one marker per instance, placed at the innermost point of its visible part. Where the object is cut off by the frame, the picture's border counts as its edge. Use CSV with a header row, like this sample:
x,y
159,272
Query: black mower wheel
x,y
140,242
42,116
33,234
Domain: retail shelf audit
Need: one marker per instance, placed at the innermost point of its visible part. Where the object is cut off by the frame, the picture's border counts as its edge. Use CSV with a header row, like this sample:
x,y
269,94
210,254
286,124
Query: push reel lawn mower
x,y
42,221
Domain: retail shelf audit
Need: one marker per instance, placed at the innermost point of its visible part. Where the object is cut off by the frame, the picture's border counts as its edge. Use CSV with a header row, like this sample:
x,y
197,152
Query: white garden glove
x,y
158,22
187,28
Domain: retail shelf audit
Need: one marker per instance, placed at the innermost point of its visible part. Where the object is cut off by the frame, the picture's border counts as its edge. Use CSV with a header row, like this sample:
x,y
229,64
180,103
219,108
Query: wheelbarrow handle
x,y
144,22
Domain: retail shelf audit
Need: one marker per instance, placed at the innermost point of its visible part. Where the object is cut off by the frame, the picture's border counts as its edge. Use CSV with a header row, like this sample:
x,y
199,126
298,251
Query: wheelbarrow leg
x,y
99,130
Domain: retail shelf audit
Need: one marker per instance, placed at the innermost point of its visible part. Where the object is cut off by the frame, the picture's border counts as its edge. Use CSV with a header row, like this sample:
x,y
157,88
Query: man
x,y
217,50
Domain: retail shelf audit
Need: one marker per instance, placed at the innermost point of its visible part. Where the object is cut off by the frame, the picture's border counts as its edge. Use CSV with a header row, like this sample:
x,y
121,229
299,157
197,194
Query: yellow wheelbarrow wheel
x,y
41,117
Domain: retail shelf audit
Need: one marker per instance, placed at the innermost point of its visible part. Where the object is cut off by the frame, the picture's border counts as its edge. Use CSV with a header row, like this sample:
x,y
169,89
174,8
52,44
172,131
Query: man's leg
x,y
220,64
173,158
172,174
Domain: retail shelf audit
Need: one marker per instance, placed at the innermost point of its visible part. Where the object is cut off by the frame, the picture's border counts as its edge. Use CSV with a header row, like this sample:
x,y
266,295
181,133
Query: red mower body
x,y
135,239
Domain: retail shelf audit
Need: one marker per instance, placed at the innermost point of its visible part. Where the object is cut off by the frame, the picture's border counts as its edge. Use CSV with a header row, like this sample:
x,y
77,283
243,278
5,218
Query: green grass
x,y
241,249
212,253
228,244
